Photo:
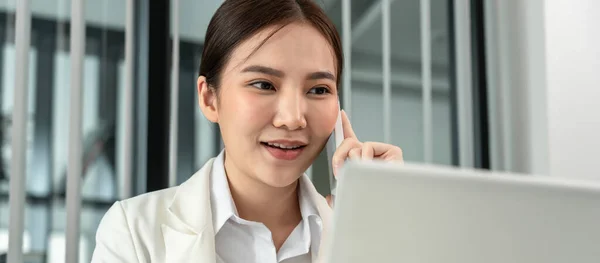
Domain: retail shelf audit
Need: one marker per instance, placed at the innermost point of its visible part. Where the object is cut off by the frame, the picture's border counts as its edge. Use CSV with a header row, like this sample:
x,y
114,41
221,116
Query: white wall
x,y
544,86
516,86
573,74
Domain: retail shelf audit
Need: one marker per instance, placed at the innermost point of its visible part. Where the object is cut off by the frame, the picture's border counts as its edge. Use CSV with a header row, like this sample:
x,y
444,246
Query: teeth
x,y
282,146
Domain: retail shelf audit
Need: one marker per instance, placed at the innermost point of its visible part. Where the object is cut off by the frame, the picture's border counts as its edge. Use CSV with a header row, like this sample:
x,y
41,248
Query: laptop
x,y
421,213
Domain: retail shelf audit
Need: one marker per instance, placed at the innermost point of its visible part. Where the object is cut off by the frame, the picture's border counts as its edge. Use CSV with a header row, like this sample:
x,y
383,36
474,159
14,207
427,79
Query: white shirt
x,y
238,240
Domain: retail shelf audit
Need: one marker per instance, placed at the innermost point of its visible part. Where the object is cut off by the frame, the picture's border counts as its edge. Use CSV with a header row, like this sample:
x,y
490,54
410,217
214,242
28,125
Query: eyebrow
x,y
321,75
264,70
280,74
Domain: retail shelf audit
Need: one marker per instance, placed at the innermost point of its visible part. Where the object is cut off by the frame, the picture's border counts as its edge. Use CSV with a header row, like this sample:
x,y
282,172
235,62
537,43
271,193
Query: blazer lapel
x,y
325,213
324,246
188,247
189,237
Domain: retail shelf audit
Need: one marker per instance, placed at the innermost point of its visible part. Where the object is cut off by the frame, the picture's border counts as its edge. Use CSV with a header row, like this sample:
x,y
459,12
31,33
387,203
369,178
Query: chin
x,y
280,179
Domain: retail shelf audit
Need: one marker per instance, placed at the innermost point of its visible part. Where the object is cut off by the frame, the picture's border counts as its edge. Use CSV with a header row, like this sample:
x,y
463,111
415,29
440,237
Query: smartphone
x,y
335,139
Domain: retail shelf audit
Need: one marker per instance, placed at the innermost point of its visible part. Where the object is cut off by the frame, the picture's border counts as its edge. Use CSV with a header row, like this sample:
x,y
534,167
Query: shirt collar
x,y
311,221
310,227
222,203
307,208
224,208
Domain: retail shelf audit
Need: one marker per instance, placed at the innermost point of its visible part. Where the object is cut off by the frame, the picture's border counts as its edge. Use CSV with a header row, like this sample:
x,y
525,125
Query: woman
x,y
269,77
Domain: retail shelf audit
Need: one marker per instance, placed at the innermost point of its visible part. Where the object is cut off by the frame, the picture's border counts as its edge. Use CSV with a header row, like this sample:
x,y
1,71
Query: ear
x,y
207,100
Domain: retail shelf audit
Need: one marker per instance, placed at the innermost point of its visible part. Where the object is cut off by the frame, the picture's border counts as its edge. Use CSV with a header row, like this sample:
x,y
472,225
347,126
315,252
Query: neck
x,y
258,202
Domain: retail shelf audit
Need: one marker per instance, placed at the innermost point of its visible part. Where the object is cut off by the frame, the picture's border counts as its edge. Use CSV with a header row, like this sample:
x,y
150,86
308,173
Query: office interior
x,y
506,86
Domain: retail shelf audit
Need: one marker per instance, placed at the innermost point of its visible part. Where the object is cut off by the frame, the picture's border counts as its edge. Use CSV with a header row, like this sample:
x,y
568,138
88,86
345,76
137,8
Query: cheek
x,y
322,118
244,109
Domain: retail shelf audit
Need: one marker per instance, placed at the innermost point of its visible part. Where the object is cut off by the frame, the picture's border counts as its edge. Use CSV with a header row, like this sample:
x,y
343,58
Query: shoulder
x,y
156,203
128,232
130,229
142,205
134,224
148,203
141,211
136,209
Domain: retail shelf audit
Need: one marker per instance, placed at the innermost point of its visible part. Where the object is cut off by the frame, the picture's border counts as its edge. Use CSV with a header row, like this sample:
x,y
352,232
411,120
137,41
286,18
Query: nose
x,y
291,110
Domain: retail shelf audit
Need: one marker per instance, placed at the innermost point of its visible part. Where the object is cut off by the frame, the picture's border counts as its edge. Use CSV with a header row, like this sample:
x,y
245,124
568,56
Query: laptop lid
x,y
414,213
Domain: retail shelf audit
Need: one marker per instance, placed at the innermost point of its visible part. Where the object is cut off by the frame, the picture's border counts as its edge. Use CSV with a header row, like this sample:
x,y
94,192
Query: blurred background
x,y
471,83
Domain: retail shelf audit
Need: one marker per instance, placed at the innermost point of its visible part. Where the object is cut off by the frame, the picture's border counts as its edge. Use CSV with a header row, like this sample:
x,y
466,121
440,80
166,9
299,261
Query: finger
x,y
346,126
355,154
341,153
367,151
328,198
396,154
383,148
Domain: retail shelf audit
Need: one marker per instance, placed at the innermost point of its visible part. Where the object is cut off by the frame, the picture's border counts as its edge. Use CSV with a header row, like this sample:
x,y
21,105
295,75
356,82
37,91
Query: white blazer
x,y
173,225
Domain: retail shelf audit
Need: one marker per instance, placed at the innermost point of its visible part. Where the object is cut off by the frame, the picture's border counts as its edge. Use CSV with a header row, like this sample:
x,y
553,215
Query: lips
x,y
283,146
284,150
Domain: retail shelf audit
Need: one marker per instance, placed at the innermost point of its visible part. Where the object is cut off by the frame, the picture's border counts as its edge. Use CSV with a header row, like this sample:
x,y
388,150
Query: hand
x,y
352,148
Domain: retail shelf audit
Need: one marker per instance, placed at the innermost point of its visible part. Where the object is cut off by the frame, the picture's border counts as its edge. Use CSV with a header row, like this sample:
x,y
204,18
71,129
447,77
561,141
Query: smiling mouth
x,y
282,147
284,150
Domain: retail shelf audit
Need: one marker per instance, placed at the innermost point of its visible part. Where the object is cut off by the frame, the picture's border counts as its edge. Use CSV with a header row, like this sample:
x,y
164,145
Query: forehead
x,y
297,47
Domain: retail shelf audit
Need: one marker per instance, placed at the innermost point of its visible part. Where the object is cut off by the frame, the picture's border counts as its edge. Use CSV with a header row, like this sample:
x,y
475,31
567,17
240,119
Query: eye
x,y
319,90
263,85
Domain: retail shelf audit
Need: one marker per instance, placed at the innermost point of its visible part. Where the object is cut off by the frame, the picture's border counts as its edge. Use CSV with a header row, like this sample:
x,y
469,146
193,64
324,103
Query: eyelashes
x,y
319,90
263,85
267,86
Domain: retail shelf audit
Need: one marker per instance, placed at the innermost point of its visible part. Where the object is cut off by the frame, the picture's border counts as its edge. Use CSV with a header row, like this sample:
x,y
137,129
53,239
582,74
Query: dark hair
x,y
237,20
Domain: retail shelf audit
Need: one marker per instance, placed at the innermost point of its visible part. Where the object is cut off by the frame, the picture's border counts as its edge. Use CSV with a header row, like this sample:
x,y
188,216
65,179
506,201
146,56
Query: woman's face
x,y
277,106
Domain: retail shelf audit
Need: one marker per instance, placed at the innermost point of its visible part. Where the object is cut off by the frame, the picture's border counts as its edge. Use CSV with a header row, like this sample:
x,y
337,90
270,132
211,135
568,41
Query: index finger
x,y
346,126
